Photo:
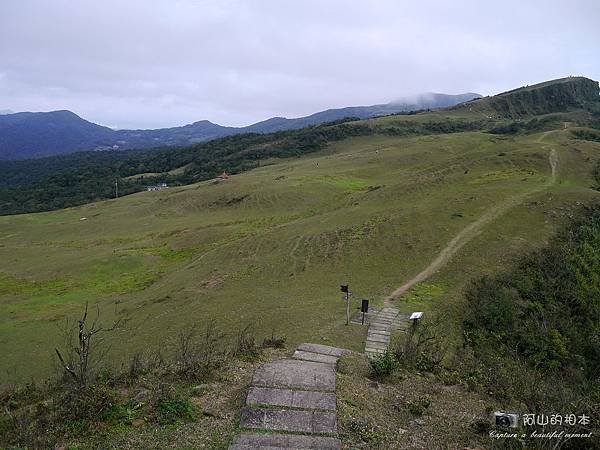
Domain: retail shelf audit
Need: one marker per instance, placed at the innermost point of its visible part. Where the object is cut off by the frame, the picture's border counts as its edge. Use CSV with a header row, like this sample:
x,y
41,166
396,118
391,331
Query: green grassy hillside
x,y
271,246
549,97
69,180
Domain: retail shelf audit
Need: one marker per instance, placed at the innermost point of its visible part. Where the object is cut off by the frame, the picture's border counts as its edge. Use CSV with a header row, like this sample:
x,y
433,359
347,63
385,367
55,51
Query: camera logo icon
x,y
506,419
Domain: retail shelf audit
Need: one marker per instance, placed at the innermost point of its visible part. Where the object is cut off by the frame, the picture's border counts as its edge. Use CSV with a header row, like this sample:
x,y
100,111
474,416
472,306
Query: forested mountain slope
x,y
33,135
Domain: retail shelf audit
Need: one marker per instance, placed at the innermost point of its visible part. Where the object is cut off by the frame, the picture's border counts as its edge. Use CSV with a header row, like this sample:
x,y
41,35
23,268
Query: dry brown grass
x,y
406,411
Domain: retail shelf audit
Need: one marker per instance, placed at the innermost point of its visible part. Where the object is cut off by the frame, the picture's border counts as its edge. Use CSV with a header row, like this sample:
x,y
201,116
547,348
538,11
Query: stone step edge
x,y
258,439
291,388
299,353
378,337
316,353
287,408
375,344
257,419
327,350
346,352
287,398
268,431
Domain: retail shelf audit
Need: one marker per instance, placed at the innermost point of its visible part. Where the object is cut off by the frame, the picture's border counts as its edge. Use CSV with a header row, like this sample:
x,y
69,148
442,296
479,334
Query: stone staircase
x,y
402,322
291,403
380,330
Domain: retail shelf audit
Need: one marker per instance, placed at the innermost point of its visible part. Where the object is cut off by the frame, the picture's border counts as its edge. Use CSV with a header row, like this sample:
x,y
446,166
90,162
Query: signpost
x,y
415,318
364,309
416,315
344,289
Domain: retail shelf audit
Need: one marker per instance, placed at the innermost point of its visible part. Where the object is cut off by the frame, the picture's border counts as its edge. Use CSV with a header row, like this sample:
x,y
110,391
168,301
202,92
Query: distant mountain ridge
x,y
422,101
59,181
26,135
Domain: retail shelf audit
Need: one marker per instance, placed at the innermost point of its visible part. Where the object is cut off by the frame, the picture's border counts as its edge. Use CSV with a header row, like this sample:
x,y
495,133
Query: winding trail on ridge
x,y
473,230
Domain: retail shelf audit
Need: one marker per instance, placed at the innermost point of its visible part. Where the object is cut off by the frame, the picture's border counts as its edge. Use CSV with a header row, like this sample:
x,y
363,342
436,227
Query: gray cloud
x,y
152,63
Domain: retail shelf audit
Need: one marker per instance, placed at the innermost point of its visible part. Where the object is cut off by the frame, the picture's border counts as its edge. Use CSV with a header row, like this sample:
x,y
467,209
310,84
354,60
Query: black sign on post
x,y
364,309
365,305
344,288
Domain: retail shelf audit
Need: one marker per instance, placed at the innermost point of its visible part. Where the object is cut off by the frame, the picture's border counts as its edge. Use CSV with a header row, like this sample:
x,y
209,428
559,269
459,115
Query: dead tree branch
x,y
78,362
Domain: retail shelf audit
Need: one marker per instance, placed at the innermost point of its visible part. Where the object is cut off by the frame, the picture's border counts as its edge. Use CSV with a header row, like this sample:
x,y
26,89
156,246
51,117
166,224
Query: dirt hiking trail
x,y
474,229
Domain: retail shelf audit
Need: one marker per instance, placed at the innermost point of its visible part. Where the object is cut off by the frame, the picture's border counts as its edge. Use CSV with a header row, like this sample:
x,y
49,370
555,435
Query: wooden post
x,y
345,290
347,308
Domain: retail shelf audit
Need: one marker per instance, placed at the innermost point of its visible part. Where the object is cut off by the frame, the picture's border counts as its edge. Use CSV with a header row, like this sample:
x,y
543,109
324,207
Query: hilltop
x,y
561,95
69,180
34,135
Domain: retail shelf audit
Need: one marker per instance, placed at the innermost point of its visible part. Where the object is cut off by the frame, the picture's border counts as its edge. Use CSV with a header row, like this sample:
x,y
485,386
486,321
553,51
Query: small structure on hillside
x,y
157,187
224,176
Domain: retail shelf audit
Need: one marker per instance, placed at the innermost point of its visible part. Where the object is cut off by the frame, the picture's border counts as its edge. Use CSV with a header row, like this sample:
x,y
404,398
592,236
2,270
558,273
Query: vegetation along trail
x,y
473,230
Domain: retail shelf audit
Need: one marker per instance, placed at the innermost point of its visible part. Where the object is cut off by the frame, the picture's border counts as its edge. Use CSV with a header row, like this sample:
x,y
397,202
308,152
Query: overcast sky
x,y
156,63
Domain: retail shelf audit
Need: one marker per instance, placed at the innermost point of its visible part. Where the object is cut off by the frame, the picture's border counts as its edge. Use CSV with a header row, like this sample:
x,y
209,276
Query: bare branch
x,y
69,370
80,370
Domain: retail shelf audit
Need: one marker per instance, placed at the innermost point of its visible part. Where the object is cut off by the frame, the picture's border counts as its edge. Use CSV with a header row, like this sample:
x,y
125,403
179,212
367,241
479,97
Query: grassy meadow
x,y
271,246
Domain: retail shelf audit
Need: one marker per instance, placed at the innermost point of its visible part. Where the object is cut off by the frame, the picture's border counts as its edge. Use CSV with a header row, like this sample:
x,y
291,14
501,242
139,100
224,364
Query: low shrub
x,y
122,414
92,403
137,365
197,354
274,341
419,406
383,364
366,429
423,347
245,346
481,426
173,408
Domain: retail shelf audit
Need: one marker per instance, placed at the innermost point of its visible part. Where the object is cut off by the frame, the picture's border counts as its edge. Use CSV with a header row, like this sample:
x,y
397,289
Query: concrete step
x,y
378,335
373,351
289,420
378,338
251,441
372,344
322,349
368,349
380,332
295,374
291,398
316,357
380,326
